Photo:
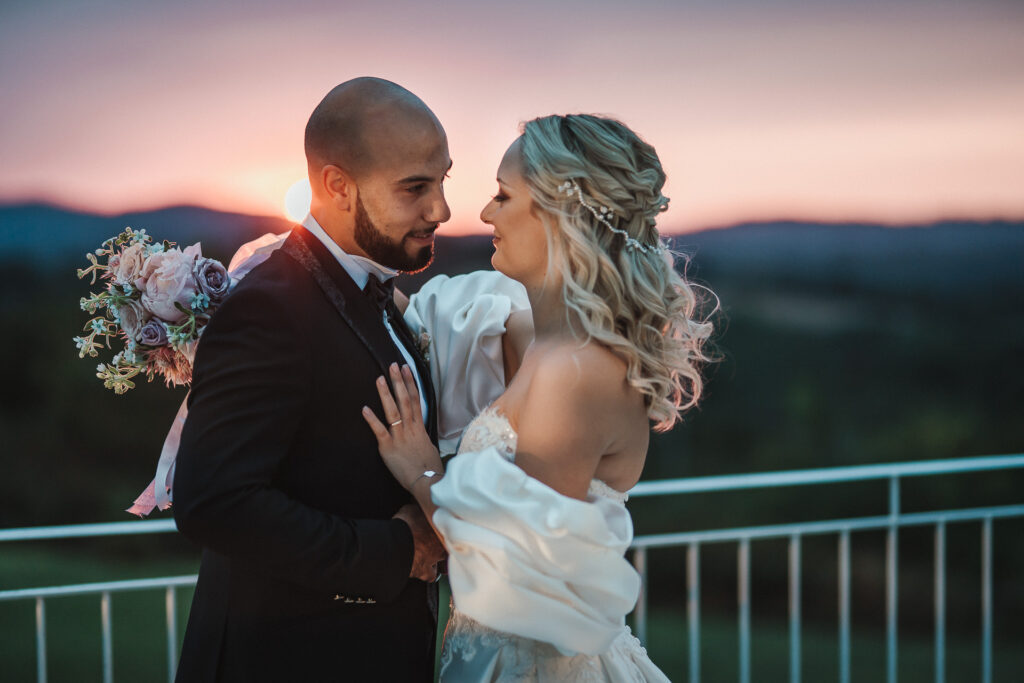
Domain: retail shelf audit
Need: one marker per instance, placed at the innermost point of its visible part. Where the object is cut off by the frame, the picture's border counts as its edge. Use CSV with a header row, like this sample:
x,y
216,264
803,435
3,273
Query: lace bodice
x,y
492,428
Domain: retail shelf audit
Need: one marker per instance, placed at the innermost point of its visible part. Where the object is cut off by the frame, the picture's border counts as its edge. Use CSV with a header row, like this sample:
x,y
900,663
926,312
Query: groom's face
x,y
400,202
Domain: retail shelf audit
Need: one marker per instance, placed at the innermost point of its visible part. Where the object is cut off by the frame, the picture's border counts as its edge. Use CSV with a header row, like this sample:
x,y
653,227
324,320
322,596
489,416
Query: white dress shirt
x,y
359,269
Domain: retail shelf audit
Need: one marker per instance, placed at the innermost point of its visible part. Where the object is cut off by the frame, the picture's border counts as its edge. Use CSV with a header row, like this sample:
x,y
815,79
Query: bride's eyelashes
x,y
499,198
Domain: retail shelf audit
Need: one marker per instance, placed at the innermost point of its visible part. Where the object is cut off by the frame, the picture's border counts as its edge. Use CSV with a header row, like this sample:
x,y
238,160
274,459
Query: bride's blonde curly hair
x,y
634,303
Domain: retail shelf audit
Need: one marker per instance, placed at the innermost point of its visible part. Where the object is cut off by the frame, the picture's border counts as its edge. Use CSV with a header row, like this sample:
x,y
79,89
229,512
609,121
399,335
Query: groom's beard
x,y
380,248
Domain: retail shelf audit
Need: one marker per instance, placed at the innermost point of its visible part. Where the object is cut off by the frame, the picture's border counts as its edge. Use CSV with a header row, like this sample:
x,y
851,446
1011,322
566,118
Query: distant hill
x,y
48,234
949,257
946,256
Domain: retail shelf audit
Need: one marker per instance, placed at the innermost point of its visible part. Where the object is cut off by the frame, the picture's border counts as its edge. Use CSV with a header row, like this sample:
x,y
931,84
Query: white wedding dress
x,y
540,584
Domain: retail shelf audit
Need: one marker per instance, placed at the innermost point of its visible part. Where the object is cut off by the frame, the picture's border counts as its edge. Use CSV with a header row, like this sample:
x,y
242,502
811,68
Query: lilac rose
x,y
167,279
213,279
153,333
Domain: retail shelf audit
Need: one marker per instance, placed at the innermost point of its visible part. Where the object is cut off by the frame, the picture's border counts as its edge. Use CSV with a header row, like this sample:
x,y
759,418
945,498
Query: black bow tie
x,y
380,293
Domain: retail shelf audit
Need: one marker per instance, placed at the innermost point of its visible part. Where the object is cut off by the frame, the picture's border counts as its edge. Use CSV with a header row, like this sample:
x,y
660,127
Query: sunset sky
x,y
894,111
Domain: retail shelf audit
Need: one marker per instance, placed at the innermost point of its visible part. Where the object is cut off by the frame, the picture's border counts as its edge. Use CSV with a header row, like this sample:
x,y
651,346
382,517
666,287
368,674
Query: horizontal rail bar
x,y
826,527
101,587
41,533
826,475
643,489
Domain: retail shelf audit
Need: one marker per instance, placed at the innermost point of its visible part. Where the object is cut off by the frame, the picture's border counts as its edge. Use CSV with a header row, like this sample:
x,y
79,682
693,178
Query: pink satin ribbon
x,y
248,256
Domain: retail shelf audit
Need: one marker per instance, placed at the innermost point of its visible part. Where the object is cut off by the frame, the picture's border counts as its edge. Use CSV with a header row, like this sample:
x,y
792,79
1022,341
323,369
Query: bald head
x,y
352,125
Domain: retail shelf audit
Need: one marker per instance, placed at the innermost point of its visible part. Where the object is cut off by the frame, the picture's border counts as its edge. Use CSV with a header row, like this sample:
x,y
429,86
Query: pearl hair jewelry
x,y
605,215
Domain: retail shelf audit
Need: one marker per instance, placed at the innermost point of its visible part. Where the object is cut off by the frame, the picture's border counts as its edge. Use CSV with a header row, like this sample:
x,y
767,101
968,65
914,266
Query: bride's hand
x,y
402,439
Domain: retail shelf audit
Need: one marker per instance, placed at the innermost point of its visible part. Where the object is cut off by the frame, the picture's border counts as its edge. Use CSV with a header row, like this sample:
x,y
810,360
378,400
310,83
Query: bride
x,y
531,509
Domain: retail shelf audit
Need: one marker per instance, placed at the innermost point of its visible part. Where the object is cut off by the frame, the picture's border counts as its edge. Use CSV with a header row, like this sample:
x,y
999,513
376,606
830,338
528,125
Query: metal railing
x,y
891,522
693,541
104,589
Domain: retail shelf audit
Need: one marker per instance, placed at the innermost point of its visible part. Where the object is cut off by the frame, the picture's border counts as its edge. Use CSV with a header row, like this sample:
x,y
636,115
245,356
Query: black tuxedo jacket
x,y
304,575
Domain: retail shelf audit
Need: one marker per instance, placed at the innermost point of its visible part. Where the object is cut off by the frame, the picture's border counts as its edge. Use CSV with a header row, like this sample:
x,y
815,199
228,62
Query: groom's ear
x,y
339,187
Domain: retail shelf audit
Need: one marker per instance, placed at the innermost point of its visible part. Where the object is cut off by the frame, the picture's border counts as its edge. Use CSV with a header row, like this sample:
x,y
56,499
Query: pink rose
x,y
132,317
126,266
166,279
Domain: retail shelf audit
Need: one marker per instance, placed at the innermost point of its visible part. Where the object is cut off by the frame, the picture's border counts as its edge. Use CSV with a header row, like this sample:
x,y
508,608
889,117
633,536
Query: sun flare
x,y
296,200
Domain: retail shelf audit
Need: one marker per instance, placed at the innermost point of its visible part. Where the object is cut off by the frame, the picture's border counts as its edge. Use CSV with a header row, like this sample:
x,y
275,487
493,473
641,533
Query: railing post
x,y
986,600
844,606
892,579
743,593
640,563
108,648
794,608
693,608
940,602
40,640
170,604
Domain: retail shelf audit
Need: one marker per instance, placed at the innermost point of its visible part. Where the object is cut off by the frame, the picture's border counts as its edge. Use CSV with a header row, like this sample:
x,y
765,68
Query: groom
x,y
316,566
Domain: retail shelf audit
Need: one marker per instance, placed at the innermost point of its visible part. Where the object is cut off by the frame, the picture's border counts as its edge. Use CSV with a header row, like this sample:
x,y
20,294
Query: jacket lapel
x,y
341,291
357,311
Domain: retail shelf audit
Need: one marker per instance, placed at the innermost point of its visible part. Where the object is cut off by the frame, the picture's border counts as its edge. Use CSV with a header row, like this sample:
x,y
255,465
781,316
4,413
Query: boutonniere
x,y
423,346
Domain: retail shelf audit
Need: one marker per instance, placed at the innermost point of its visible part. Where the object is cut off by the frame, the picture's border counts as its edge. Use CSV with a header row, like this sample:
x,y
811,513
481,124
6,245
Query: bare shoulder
x,y
570,413
581,388
589,373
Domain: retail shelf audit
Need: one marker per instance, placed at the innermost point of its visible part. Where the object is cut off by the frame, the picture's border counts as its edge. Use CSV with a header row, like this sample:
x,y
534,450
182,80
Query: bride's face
x,y
520,241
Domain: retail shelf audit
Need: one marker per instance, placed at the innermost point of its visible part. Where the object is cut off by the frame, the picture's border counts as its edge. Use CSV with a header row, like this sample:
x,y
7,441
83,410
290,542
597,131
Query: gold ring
x,y
396,423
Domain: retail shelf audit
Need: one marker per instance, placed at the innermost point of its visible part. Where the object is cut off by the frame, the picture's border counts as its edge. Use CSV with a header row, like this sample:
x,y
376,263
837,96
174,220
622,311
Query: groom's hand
x,y
427,549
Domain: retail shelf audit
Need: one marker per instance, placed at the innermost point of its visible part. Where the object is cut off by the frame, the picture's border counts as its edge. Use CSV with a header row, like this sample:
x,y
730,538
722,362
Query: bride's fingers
x,y
376,426
401,393
414,392
391,413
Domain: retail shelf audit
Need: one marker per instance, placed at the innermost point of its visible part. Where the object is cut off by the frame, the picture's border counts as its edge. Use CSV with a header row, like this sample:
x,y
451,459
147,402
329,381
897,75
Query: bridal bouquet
x,y
156,301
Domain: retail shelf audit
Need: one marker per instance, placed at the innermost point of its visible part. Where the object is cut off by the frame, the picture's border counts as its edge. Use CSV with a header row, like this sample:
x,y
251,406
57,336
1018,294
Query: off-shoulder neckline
x,y
602,487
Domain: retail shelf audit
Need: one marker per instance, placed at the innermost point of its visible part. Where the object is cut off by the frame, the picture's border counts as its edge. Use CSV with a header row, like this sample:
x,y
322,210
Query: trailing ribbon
x,y
160,495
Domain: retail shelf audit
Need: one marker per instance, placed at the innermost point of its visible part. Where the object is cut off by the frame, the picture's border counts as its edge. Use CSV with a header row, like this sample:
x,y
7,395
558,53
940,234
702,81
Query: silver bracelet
x,y
426,473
